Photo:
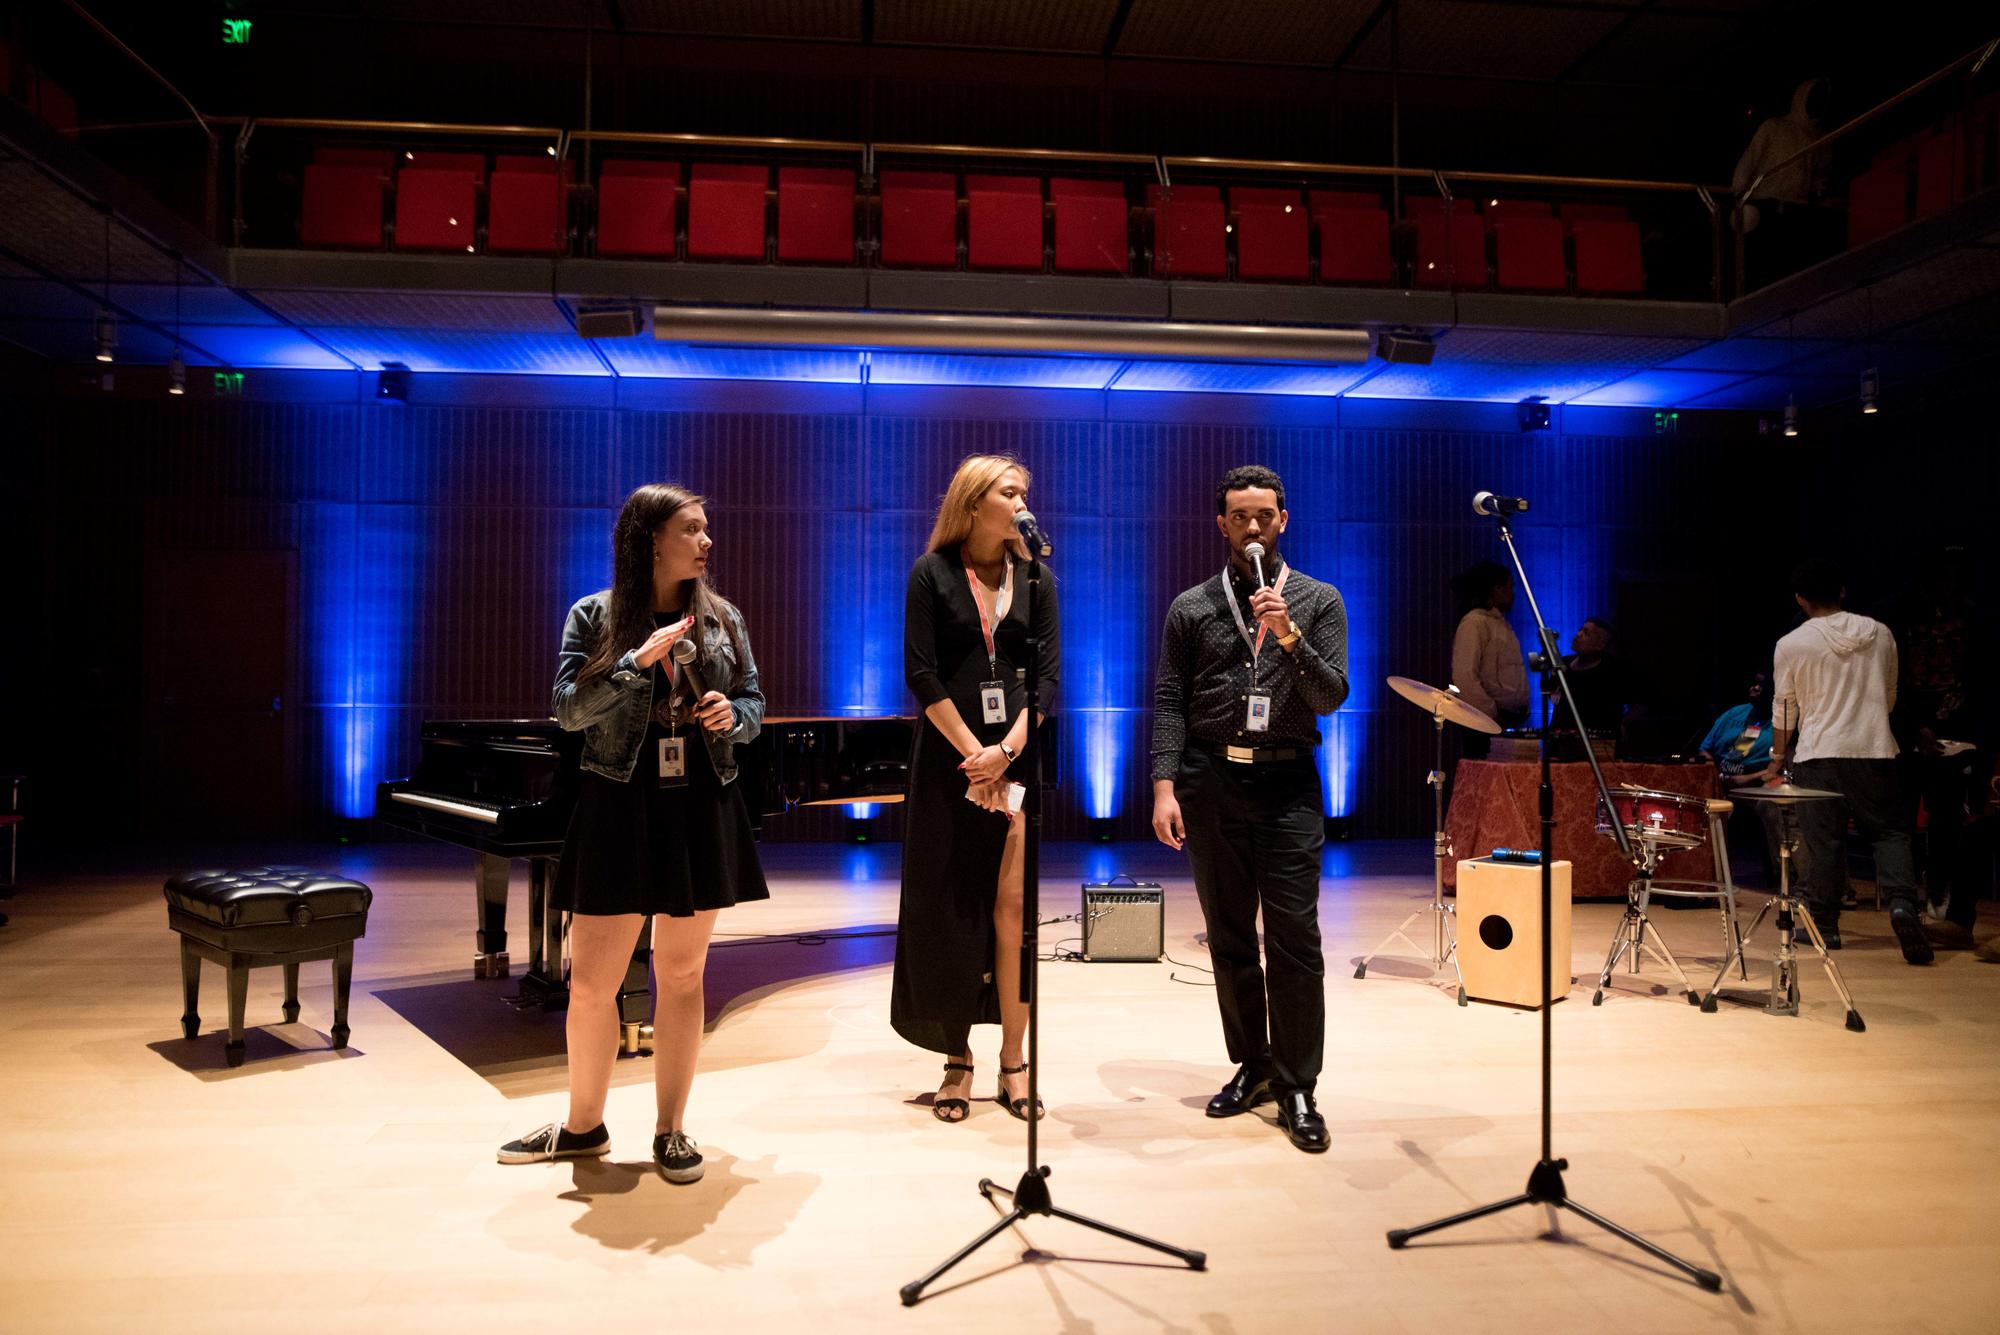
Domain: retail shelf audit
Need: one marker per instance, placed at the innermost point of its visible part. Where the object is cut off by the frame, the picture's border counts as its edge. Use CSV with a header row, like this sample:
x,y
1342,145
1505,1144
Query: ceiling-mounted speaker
x,y
1405,349
609,322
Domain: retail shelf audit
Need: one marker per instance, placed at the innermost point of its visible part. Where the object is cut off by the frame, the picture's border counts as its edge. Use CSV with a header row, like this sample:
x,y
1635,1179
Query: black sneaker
x,y
556,1142
676,1156
1910,936
1831,935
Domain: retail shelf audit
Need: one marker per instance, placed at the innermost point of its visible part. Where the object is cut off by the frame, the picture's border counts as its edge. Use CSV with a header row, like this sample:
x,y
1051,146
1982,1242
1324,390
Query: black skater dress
x,y
943,982
638,847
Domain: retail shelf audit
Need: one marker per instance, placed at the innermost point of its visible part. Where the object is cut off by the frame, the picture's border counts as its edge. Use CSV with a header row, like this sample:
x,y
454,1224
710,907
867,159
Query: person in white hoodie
x,y
1781,187
1836,683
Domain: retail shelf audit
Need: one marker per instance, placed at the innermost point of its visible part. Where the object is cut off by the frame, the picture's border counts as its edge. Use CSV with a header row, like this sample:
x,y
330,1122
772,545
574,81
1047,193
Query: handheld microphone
x,y
1486,503
1255,551
684,652
1031,533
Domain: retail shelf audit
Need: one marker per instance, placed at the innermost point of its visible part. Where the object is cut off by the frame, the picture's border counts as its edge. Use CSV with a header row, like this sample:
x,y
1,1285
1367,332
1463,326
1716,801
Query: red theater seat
x,y
1496,209
1189,240
1326,201
920,219
636,208
437,200
726,208
1003,222
1450,252
1877,201
816,215
527,209
1573,213
1938,160
56,105
1354,247
1607,257
1271,234
1417,206
1093,233
343,205
1529,253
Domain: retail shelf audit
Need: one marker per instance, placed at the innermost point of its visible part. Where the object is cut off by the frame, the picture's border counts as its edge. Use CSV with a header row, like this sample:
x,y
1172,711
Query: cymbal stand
x,y
1444,943
1631,936
1784,959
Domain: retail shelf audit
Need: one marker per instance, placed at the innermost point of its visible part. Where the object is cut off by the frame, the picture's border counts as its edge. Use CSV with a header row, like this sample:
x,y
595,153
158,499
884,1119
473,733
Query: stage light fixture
x,y
392,384
177,373
1405,349
107,336
1533,412
1871,391
1791,416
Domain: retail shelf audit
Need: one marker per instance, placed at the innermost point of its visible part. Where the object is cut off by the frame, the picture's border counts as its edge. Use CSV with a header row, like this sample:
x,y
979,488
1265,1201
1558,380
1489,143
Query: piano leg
x,y
489,958
544,984
635,1001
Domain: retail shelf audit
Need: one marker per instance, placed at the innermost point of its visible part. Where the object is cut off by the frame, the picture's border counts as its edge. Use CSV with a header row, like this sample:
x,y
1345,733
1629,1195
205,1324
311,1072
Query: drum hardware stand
x,y
1630,938
1545,1180
1031,1194
1784,960
1444,917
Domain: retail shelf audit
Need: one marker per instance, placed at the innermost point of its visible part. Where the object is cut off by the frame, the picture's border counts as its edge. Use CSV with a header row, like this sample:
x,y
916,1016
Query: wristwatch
x,y
1291,637
1009,752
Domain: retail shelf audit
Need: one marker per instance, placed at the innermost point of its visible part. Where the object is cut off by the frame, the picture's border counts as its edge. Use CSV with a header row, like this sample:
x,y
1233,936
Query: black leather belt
x,y
1257,755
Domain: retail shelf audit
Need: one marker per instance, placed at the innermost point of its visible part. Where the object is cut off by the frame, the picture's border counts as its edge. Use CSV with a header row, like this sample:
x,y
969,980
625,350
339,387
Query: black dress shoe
x,y
1302,1123
1243,1092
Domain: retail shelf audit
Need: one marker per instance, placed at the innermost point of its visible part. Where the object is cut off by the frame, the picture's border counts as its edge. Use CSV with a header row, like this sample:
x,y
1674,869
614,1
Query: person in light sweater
x,y
1487,669
1835,685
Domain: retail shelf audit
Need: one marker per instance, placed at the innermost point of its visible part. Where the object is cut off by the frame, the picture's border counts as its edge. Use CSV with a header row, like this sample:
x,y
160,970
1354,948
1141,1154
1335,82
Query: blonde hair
x,y
969,485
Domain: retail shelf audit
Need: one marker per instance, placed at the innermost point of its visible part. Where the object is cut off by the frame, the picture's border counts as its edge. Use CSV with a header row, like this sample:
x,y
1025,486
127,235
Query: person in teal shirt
x,y
1739,743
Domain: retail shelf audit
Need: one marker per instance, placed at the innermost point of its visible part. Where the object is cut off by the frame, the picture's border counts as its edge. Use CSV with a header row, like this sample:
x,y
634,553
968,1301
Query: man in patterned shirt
x,y
1245,669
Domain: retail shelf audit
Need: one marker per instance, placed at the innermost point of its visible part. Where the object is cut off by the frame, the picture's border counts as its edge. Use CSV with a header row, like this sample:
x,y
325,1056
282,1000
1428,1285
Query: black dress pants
x,y
1254,834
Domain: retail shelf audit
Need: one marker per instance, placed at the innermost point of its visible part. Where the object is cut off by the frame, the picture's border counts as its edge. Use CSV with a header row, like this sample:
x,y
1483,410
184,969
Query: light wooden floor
x,y
1838,1181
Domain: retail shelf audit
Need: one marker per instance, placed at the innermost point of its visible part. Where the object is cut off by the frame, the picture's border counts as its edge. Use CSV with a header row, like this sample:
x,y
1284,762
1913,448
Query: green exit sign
x,y
236,32
1666,424
229,384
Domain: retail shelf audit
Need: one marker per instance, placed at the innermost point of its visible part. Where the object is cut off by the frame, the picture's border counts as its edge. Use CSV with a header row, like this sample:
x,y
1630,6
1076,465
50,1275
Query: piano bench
x,y
259,916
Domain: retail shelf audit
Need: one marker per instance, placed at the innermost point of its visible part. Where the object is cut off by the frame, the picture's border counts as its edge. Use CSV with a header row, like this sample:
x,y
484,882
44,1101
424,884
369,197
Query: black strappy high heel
x,y
1013,1105
944,1109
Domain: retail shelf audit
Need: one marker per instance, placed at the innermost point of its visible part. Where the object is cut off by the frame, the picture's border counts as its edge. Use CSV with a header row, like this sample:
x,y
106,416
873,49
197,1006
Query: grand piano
x,y
504,789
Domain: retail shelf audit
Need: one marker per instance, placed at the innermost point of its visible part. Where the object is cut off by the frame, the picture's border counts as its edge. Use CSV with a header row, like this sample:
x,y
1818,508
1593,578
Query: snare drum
x,y
1671,820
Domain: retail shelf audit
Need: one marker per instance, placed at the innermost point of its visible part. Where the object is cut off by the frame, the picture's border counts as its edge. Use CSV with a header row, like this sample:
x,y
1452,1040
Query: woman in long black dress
x,y
965,633
660,831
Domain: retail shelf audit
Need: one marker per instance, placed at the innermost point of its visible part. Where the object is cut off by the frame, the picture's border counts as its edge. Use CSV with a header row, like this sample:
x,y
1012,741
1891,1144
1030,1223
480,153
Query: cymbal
x,y
1443,704
1784,792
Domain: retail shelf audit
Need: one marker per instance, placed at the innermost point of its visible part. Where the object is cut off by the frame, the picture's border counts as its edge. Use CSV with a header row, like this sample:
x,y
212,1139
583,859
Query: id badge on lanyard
x,y
1256,705
673,761
992,692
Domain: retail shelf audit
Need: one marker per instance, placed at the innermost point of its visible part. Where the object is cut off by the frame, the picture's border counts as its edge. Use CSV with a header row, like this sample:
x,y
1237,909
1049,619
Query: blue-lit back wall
x,y
438,543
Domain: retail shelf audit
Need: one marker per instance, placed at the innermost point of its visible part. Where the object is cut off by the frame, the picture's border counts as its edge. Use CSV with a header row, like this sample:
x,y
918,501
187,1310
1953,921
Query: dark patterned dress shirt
x,y
1202,689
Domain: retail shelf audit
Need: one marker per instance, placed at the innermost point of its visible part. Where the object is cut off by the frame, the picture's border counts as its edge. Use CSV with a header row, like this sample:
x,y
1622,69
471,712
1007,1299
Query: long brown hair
x,y
969,485
630,620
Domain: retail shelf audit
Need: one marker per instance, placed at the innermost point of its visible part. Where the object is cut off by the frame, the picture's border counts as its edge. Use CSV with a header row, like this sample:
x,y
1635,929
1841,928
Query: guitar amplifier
x,y
1124,922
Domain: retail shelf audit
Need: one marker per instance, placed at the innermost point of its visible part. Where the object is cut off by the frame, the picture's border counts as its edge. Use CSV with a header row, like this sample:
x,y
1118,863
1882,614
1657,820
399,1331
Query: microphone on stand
x,y
1255,551
1486,503
1031,533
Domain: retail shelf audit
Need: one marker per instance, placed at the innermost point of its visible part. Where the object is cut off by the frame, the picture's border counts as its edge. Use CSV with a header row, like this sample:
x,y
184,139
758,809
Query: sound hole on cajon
x,y
1496,932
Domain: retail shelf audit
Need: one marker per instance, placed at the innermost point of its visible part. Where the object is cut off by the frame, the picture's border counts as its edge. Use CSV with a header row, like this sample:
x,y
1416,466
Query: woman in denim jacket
x,y
660,830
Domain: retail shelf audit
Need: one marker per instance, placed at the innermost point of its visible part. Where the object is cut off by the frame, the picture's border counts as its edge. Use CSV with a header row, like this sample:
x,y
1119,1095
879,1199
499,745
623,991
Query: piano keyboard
x,y
488,815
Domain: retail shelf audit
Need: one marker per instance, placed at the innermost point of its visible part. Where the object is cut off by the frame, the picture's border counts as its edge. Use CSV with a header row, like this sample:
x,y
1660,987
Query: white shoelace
x,y
678,1145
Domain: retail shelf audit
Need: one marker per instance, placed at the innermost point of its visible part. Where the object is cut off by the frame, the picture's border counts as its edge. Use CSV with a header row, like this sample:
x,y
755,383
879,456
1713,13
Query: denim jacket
x,y
612,713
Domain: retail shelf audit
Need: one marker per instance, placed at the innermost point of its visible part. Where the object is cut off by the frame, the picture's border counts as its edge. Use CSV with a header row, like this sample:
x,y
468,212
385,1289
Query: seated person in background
x,y
1739,746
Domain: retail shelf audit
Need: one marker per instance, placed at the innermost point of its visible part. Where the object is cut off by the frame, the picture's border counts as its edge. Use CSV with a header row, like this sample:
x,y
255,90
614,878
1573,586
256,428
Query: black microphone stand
x,y
1031,1194
1545,1181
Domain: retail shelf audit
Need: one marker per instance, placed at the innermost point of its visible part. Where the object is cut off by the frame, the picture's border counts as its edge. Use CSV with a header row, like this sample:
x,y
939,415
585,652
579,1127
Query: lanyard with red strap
x,y
986,625
1242,628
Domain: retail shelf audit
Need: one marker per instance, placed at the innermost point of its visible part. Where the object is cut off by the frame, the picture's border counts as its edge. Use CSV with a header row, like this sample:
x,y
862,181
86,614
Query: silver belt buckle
x,y
1242,755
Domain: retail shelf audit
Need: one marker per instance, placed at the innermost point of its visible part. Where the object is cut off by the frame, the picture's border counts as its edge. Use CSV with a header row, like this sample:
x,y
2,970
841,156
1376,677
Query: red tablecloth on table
x,y
1495,805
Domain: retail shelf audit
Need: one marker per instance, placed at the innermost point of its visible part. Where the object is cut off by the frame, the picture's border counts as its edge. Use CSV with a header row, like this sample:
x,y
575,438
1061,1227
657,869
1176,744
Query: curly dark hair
x,y
630,618
1248,475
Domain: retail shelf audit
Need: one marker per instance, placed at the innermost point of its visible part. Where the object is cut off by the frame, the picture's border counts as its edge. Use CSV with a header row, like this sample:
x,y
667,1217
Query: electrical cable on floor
x,y
1191,982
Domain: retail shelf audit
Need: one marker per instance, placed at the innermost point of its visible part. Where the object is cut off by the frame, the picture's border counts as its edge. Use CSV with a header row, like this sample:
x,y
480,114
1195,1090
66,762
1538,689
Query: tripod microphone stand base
x,y
1031,1196
1546,1187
